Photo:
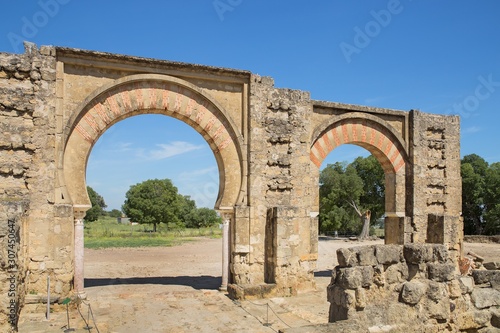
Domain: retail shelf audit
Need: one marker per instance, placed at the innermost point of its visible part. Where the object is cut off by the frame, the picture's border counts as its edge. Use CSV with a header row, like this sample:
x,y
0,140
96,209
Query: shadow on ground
x,y
327,273
196,282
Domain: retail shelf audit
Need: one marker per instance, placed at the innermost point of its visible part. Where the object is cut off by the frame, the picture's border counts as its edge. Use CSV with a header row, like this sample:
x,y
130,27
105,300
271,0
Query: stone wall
x,y
27,178
282,235
434,184
413,287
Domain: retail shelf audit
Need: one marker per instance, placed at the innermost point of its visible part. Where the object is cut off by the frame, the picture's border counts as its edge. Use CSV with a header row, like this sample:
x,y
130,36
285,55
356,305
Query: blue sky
x,y
435,56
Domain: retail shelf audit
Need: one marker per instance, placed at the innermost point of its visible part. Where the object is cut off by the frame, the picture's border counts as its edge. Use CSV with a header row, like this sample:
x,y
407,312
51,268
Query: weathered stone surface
x,y
346,258
417,253
388,254
439,310
412,292
360,295
440,253
472,320
485,297
494,265
365,255
441,272
495,317
396,273
466,284
454,289
353,277
436,291
490,277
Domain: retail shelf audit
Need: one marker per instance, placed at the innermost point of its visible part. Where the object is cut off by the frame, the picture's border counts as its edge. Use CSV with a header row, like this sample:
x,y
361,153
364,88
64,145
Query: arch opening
x,y
386,146
152,146
144,94
153,94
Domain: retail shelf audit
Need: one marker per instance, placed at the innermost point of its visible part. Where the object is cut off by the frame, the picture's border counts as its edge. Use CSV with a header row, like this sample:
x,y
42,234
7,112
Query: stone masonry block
x,y
439,310
349,278
354,277
417,253
441,272
491,277
485,297
493,265
412,292
388,254
472,320
396,273
346,258
360,294
365,255
440,253
466,284
495,318
437,291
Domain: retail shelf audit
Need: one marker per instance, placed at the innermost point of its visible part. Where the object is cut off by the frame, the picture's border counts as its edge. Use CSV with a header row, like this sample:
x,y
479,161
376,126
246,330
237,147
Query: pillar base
x,y
81,295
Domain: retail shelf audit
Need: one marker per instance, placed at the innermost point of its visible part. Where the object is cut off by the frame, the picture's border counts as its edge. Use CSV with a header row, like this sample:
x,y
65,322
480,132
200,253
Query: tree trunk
x,y
154,227
365,220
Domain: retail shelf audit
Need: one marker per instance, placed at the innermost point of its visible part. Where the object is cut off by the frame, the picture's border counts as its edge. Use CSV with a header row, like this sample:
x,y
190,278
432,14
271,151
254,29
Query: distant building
x,y
123,220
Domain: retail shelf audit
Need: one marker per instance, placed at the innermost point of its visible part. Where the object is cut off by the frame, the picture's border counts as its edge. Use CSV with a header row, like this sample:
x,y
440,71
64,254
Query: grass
x,y
107,232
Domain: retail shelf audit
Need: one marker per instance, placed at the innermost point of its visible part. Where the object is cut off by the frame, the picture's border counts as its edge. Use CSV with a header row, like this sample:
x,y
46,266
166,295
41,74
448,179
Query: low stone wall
x,y
482,239
414,287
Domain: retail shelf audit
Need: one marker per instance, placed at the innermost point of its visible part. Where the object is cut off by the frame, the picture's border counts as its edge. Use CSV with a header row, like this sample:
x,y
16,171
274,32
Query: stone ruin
x,y
409,288
269,144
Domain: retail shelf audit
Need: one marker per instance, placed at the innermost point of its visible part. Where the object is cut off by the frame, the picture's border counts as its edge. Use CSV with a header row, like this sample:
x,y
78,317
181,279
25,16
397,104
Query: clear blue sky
x,y
435,56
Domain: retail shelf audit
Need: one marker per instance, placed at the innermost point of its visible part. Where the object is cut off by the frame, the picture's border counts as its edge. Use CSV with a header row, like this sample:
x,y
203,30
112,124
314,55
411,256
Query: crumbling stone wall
x,y
435,186
282,236
27,155
414,288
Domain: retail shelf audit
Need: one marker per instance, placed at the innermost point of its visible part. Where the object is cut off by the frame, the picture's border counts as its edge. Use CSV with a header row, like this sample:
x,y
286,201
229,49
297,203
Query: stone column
x,y
79,214
226,219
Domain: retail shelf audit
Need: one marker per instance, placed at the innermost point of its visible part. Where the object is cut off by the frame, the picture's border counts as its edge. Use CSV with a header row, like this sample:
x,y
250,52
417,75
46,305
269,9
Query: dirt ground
x,y
175,289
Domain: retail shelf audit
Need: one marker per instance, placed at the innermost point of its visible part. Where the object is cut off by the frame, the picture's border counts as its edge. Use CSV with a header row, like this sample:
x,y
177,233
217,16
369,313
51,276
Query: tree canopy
x,y
158,201
202,217
351,195
480,195
153,201
98,205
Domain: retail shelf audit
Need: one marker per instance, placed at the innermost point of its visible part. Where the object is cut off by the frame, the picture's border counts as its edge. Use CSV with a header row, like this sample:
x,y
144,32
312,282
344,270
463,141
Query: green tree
x,y
492,200
340,192
98,205
186,207
473,170
115,213
202,218
153,201
373,196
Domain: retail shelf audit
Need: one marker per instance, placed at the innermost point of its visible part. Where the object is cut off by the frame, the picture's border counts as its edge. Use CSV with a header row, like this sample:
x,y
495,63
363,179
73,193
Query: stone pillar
x,y
226,219
79,214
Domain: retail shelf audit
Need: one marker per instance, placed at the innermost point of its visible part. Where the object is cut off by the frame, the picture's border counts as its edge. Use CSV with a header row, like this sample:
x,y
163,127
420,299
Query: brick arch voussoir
x,y
375,136
141,94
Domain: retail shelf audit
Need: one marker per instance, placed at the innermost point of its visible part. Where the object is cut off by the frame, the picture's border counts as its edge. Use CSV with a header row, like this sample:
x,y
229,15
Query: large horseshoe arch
x,y
149,94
